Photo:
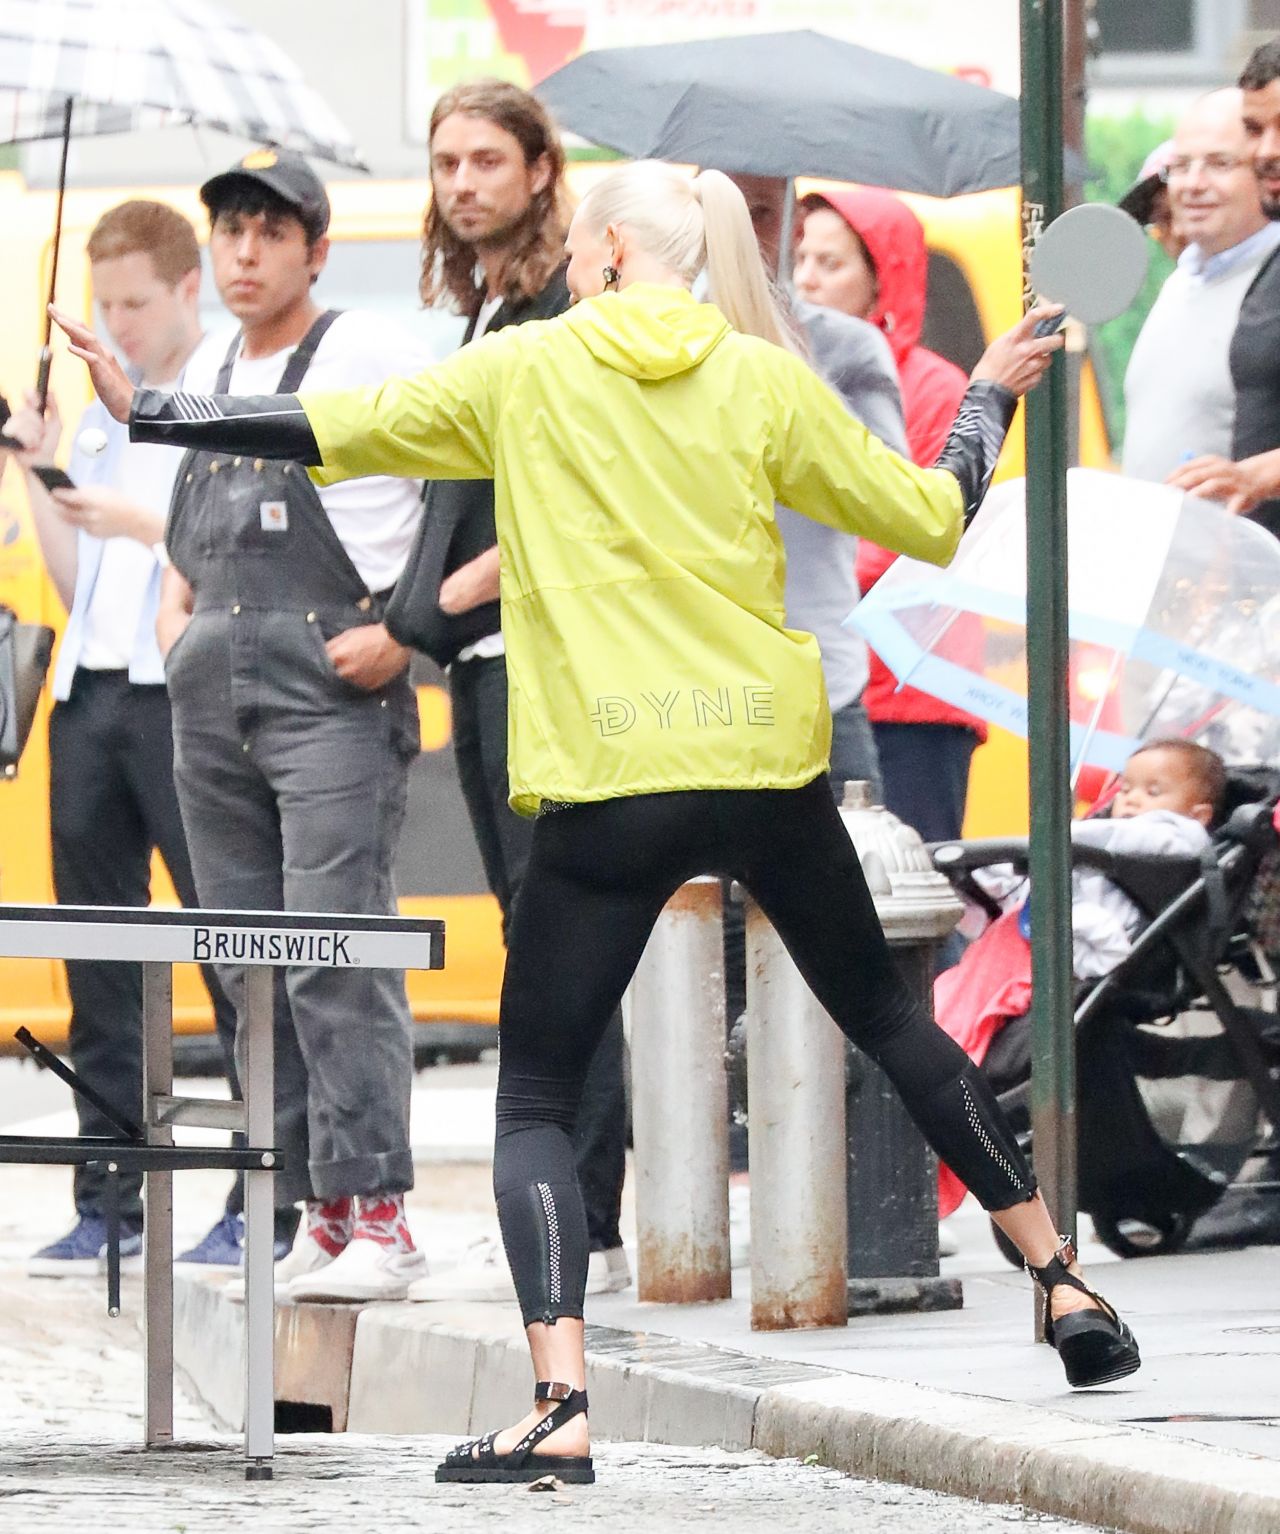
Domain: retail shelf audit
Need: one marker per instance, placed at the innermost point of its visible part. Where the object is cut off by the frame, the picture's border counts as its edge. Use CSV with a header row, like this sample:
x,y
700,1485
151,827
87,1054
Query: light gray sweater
x,y
821,589
1179,398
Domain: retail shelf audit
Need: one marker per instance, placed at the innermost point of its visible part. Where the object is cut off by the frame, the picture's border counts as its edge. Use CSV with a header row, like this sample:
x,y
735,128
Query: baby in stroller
x,y
1151,919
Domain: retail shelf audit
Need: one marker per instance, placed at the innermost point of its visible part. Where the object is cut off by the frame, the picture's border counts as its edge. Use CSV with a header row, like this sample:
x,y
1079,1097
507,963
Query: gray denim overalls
x,y
292,786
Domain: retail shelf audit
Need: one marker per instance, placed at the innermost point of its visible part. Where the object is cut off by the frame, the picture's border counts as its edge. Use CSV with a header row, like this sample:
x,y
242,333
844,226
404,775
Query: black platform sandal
x,y
476,1460
1095,1345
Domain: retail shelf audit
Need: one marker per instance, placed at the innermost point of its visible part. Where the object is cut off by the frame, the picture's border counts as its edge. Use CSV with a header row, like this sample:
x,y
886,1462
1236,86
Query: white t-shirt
x,y
145,472
375,518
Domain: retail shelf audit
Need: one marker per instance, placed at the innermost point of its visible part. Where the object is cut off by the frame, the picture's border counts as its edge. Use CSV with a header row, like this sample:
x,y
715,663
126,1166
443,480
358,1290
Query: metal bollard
x,y
795,1084
892,1174
680,1114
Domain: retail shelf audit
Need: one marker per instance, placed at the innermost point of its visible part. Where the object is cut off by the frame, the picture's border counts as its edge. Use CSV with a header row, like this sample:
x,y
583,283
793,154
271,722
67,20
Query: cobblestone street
x,y
71,1387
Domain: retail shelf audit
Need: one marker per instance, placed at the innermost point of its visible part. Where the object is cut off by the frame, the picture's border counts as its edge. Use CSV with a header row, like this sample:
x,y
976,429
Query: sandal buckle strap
x,y
1055,1270
552,1390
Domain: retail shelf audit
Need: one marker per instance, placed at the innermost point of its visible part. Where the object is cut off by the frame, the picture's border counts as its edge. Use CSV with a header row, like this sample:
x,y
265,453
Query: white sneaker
x,y
480,1274
608,1272
365,1270
948,1246
305,1257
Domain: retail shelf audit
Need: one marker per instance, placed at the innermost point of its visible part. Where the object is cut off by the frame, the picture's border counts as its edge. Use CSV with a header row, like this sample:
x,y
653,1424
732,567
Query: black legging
x,y
598,876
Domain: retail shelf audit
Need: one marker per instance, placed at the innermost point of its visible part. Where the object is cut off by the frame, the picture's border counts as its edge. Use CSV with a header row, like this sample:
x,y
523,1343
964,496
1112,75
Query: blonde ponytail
x,y
737,282
691,226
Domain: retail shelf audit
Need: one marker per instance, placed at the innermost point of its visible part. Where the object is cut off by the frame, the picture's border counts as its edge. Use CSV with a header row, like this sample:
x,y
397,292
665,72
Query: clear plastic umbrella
x,y
1174,621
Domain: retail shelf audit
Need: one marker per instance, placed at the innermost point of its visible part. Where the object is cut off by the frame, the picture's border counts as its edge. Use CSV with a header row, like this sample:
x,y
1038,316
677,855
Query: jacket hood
x,y
894,238
648,331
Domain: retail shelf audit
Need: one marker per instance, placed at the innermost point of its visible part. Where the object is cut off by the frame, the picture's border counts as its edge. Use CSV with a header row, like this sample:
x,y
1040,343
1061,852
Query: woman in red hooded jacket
x,y
863,252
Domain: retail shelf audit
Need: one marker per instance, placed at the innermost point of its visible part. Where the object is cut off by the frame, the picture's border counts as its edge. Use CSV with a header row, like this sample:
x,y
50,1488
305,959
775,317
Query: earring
x,y
611,274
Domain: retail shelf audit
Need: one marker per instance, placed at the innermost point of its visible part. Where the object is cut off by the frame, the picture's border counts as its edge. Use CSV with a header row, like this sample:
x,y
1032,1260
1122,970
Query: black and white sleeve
x,y
259,426
975,439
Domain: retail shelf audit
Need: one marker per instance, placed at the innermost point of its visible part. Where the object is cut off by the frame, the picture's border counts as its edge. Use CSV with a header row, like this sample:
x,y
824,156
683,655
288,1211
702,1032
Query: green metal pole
x,y
1053,1117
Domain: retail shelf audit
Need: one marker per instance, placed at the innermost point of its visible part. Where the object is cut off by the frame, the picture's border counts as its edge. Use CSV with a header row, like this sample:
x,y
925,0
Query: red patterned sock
x,y
329,1223
380,1217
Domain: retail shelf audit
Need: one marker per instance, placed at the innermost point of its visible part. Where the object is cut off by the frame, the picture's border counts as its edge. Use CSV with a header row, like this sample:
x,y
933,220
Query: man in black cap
x,y
294,720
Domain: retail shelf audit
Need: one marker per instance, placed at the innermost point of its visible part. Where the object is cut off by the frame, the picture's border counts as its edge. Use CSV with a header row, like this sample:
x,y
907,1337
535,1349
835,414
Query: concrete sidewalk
x,y
962,1402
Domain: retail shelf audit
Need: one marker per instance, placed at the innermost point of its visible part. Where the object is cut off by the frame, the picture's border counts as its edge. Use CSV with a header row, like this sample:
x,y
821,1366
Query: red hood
x,y
894,238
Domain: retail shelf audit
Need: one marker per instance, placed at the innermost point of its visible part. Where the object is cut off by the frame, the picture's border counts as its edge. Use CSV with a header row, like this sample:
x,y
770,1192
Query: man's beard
x,y
499,239
1271,170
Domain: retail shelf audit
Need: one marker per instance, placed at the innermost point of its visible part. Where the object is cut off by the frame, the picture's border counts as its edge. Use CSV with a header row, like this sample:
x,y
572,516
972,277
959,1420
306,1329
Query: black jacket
x,y
457,525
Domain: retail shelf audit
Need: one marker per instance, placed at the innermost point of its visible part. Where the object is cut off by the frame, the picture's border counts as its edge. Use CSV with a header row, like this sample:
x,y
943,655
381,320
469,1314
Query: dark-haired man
x,y
499,206
294,720
1249,482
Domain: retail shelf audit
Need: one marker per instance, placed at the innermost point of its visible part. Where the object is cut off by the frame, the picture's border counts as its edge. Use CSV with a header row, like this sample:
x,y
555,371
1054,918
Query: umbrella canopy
x,y
1173,616
126,64
792,103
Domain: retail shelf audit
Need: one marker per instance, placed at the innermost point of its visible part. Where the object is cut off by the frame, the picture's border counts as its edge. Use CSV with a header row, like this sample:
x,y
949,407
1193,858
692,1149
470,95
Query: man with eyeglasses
x,y
1246,475
1179,397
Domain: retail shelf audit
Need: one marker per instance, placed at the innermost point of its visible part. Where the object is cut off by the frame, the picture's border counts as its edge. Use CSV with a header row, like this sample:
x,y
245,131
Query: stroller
x,y
1178,1046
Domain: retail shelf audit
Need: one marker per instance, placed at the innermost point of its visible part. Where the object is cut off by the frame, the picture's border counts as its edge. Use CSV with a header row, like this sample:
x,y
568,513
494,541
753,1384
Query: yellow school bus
x,y
975,283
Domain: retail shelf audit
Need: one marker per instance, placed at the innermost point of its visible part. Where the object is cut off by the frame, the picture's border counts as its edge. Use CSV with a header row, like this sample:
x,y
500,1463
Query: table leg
x,y
157,1259
258,1086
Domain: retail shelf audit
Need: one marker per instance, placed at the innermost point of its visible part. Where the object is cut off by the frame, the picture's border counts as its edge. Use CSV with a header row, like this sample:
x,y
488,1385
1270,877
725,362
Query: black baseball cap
x,y
279,170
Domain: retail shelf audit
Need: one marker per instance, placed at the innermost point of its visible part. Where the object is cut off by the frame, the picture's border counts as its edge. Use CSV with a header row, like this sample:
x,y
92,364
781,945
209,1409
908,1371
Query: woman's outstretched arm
x,y
439,424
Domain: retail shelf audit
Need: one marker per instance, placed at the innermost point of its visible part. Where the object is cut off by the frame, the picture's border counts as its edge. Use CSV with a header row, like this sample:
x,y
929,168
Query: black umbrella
x,y
788,104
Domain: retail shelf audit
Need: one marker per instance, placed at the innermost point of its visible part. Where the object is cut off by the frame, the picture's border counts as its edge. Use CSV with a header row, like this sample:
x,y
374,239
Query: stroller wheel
x,y
1155,1236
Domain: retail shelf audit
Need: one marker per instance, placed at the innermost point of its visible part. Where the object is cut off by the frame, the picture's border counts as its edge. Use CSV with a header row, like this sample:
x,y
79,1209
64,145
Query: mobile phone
x,y
51,478
1050,326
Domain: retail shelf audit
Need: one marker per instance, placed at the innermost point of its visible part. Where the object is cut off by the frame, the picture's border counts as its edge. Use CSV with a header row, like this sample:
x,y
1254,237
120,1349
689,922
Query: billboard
x,y
526,40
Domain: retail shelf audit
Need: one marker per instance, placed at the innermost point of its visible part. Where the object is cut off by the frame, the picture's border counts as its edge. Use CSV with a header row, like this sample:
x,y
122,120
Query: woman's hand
x,y
1019,359
110,382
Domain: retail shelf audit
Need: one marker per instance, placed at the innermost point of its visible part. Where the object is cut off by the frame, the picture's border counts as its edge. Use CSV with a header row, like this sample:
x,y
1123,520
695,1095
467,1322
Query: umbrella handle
x,y
42,377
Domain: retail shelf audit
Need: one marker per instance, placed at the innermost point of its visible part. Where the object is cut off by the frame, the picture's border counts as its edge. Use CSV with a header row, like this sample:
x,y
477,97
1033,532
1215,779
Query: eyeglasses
x,y
1212,165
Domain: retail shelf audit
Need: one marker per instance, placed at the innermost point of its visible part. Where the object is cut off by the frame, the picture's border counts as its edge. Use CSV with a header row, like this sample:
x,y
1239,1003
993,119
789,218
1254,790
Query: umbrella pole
x,y
786,232
1053,1114
46,351
1091,729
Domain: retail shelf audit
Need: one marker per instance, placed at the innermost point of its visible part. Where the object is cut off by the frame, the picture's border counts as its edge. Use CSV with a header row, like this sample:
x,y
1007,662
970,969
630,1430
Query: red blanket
x,y
973,1001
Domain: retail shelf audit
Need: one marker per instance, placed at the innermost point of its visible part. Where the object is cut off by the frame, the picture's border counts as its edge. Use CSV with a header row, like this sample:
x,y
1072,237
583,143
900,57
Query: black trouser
x,y
111,802
478,690
598,877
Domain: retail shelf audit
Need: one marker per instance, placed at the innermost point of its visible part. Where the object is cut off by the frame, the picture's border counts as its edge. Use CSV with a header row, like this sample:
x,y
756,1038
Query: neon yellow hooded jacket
x,y
638,444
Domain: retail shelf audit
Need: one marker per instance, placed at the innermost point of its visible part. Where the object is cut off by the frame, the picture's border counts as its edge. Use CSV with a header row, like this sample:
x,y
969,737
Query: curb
x,y
456,1368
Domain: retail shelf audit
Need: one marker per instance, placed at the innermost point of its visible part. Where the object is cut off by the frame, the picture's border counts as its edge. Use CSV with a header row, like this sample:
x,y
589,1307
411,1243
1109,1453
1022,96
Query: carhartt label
x,y
274,516
248,945
702,708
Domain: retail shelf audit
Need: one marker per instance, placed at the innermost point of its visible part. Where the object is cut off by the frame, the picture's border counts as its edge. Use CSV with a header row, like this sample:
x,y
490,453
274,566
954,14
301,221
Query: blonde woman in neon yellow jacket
x,y
663,721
